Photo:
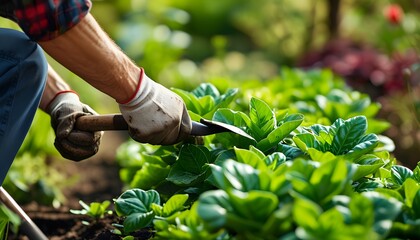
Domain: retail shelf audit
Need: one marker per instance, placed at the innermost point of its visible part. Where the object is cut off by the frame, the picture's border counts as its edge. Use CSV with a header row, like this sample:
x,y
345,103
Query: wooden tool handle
x,y
109,122
106,122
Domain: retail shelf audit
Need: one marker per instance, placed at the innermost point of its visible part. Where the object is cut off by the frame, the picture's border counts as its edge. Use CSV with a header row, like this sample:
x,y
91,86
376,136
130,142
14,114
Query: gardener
x,y
69,33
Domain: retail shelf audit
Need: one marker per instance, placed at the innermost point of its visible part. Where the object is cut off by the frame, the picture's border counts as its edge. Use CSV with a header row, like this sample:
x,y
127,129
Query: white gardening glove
x,y
72,144
156,115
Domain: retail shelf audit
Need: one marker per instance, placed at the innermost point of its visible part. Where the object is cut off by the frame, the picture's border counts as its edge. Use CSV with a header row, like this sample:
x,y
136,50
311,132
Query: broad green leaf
x,y
362,211
240,176
318,128
306,213
191,101
366,185
206,105
225,155
136,206
236,118
305,168
216,210
365,145
129,154
206,89
279,222
256,151
214,207
320,156
305,141
383,173
400,174
391,193
262,117
191,166
281,115
254,204
205,99
410,189
149,176
252,158
225,99
217,178
360,105
366,170
290,152
290,123
331,224
280,185
136,201
329,179
299,175
137,221
175,203
339,96
385,209
347,135
366,165
275,159
336,124
325,140
282,131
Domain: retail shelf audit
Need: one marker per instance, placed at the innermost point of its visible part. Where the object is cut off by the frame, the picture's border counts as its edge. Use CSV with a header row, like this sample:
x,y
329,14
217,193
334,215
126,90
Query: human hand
x,y
72,144
156,115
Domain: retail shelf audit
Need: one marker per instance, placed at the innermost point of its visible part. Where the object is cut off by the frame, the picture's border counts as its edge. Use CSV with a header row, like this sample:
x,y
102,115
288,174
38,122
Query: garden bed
x,y
98,181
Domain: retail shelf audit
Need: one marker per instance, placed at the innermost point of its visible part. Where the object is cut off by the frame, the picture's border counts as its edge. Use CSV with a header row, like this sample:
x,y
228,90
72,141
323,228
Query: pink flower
x,y
394,13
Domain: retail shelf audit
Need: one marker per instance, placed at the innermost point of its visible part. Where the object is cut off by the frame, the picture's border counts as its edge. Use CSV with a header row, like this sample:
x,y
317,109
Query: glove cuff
x,y
134,96
143,89
59,97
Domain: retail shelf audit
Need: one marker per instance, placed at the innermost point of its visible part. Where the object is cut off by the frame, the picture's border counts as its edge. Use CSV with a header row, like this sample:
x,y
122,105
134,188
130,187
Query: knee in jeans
x,y
37,64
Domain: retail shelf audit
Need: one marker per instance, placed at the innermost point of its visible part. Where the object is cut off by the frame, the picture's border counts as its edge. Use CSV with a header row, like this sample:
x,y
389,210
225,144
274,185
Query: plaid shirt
x,y
45,19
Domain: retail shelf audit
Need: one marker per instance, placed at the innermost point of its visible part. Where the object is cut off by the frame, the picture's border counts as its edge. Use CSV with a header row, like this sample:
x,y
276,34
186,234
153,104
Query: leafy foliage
x,y
204,100
295,178
7,219
94,210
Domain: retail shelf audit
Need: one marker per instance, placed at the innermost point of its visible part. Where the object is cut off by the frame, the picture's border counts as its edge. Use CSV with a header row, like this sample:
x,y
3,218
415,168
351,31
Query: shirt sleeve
x,y
48,19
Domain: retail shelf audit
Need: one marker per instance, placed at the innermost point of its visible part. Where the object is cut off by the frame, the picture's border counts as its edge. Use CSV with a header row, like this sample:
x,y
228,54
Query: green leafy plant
x,y
7,218
344,137
173,219
267,128
321,173
95,210
204,100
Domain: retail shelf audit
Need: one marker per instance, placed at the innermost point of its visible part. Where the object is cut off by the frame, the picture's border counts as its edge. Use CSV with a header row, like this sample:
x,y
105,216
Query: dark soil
x,y
98,181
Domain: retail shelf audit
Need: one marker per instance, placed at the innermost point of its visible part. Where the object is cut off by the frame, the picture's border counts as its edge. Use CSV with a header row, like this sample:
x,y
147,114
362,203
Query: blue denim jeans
x,y
23,74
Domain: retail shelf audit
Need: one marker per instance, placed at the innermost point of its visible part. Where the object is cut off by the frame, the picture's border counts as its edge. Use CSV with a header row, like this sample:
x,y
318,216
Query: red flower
x,y
394,13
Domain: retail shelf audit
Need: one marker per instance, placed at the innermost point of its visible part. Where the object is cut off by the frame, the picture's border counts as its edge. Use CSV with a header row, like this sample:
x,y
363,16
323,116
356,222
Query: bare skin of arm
x,y
55,84
89,52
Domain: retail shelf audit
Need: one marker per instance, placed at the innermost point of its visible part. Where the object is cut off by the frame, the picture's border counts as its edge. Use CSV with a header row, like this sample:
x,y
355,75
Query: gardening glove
x,y
155,114
72,144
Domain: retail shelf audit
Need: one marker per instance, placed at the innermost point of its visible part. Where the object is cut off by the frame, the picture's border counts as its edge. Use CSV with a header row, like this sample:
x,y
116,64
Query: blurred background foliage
x,y
184,43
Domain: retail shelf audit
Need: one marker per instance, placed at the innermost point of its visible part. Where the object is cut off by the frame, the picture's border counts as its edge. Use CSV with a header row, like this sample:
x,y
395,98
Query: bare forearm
x,y
87,51
55,84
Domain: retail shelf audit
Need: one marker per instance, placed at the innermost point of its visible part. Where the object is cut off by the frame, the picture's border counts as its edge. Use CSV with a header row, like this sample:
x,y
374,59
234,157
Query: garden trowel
x,y
116,122
27,226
